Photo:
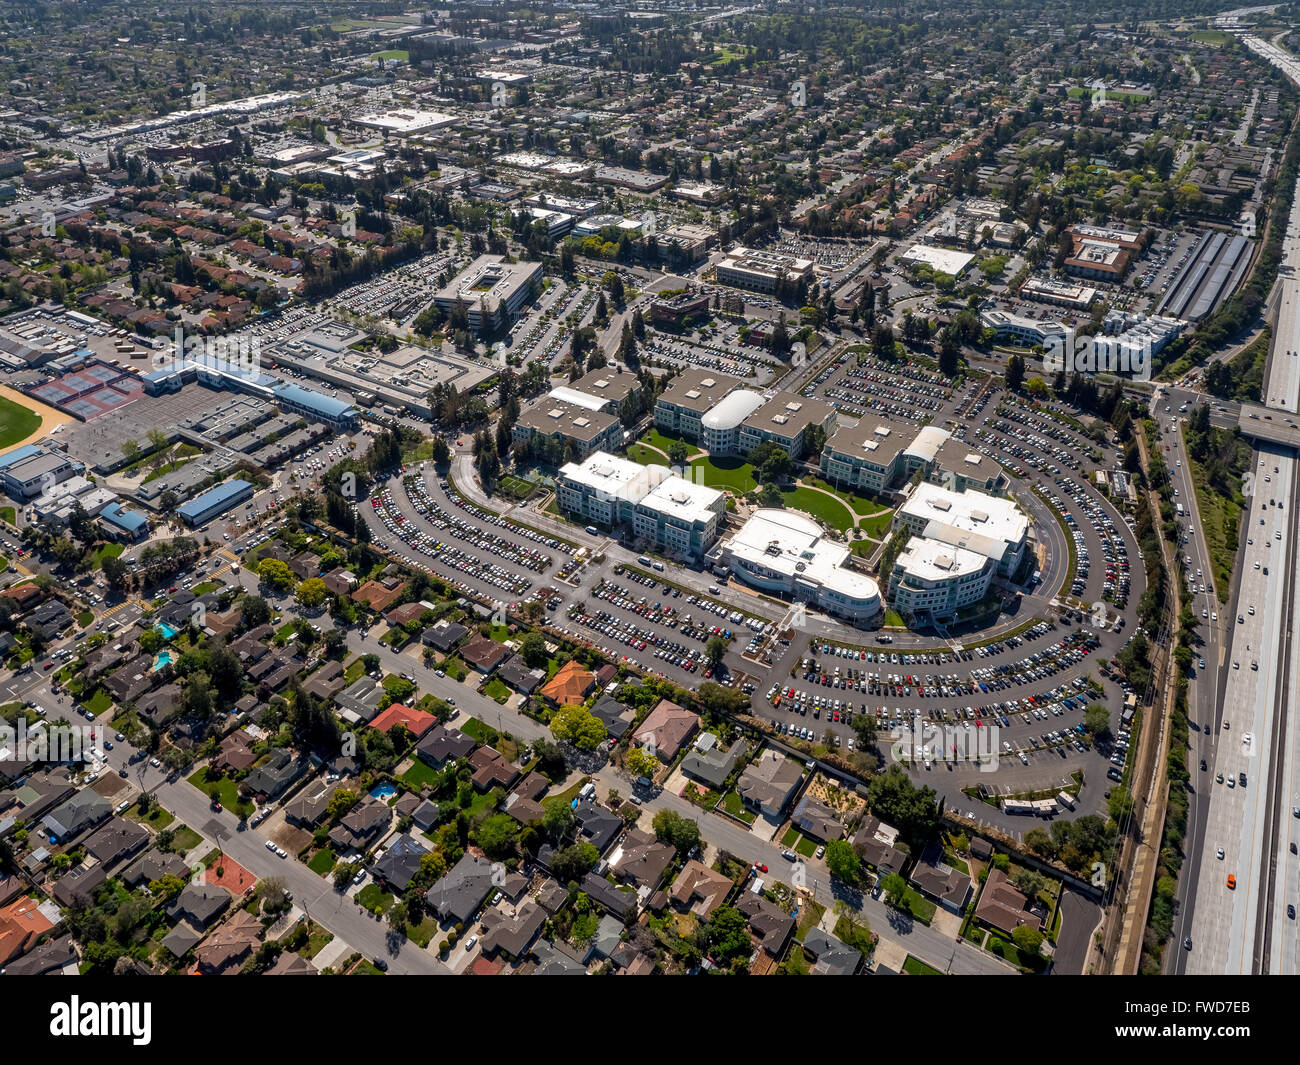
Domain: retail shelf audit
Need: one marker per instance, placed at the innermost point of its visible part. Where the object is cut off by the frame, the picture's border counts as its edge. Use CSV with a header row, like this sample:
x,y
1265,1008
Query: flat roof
x,y
618,477
945,260
786,414
699,390
959,457
222,493
876,439
958,518
676,497
489,278
551,415
928,442
933,560
796,546
765,263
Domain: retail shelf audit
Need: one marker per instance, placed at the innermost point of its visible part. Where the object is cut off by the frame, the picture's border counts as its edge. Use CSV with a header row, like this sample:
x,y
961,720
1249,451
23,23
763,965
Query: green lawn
x,y
418,775
661,440
806,846
99,702
107,551
810,913
224,788
355,670
788,840
322,862
496,690
644,455
374,898
394,53
828,510
185,839
8,514
732,804
736,474
920,908
916,967
158,818
16,422
877,525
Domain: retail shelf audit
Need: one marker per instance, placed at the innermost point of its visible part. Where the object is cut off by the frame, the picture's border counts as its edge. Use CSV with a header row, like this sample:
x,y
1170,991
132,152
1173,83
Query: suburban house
x,y
699,889
708,763
457,895
769,783
666,728
570,685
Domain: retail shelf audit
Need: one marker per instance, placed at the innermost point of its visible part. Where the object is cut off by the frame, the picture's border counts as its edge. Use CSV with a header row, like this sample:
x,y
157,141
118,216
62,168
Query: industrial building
x,y
214,502
662,509
492,290
941,260
789,554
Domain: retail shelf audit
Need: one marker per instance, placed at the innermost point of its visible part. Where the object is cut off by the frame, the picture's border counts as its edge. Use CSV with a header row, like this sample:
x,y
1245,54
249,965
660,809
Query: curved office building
x,y
786,553
721,425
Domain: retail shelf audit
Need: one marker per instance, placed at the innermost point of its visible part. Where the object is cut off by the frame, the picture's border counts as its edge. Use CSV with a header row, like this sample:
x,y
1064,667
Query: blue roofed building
x,y
123,524
215,501
316,405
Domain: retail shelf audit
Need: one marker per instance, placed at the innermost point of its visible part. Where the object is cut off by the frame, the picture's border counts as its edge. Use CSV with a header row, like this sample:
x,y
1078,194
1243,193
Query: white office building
x,y
784,552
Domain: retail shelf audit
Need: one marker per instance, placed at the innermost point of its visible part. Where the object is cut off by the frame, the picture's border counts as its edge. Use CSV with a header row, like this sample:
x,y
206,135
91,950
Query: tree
x,y
254,610
895,799
671,827
1015,373
641,762
1027,940
533,649
726,936
574,862
895,888
276,574
558,819
714,650
677,452
1096,719
311,593
496,835
579,726
843,862
116,572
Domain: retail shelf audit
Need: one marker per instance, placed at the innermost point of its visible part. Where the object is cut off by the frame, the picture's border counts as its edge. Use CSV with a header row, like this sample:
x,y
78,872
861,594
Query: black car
x,y
1203,765
381,965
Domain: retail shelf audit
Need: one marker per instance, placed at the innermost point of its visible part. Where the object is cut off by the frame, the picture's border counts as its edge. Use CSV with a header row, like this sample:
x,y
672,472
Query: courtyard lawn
x,y
646,456
655,438
877,525
736,474
820,506
16,422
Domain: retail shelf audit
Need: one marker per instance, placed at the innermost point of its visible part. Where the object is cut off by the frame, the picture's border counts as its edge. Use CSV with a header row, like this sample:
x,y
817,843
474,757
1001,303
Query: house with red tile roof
x,y
417,722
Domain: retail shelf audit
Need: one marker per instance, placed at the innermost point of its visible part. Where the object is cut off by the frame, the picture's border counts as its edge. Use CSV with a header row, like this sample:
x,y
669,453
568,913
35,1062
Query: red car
x,y
48,665
760,868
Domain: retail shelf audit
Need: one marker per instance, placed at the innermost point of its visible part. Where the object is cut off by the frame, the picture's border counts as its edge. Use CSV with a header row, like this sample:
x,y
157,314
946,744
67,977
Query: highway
x,y
1237,911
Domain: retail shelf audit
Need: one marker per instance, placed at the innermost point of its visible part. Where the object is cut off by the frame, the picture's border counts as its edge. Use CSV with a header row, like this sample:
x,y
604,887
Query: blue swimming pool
x,y
164,659
383,791
167,630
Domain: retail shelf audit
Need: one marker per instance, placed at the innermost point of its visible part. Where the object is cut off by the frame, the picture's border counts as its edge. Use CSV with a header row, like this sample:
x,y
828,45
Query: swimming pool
x,y
167,630
383,791
164,659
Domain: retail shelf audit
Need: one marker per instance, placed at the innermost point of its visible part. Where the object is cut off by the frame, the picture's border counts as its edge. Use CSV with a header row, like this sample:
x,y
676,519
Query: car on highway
x,y
1232,882
1219,853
